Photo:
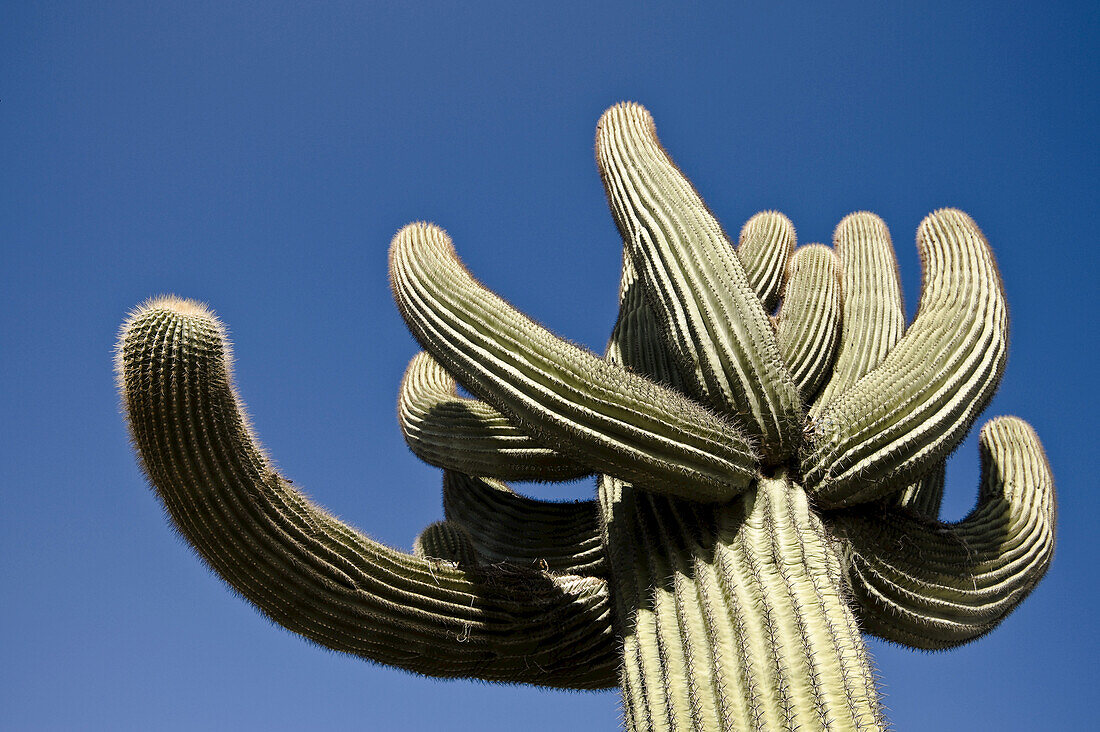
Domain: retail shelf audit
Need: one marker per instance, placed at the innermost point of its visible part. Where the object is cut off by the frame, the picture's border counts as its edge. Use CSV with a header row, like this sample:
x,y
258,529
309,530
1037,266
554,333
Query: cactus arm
x,y
909,412
808,324
315,575
448,541
765,246
925,496
932,585
715,325
467,435
603,416
873,315
563,538
636,342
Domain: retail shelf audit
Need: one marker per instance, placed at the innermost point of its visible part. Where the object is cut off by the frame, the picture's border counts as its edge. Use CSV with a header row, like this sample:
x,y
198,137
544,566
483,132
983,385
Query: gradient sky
x,y
259,157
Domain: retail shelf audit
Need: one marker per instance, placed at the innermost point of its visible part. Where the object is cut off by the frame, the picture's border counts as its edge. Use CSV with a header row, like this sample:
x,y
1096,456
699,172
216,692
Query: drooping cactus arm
x,y
467,435
505,526
601,415
315,575
715,325
808,324
932,585
766,244
909,412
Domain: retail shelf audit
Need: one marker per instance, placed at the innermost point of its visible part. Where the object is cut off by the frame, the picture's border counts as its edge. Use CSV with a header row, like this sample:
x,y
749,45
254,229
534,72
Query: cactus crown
x,y
768,489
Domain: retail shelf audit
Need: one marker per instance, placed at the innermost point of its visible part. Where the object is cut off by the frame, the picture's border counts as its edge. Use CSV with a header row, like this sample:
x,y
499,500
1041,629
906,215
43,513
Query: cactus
x,y
768,486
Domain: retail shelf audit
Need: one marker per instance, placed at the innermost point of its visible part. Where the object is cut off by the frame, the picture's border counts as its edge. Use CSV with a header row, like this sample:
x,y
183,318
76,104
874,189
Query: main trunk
x,y
732,616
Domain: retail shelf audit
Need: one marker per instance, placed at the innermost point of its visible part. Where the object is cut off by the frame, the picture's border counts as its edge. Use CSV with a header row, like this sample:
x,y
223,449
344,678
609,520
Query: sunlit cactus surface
x,y
768,440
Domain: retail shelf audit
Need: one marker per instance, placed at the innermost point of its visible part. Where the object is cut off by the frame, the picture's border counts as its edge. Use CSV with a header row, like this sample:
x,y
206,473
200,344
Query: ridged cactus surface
x,y
769,439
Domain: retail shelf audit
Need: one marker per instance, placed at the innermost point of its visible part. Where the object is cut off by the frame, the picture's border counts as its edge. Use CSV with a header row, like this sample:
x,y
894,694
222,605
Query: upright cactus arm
x,y
637,343
873,321
715,325
873,316
932,585
467,435
765,246
505,526
608,419
315,575
910,411
808,323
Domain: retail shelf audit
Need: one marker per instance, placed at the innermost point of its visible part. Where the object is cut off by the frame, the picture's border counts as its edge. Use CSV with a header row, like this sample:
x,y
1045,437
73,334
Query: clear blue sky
x,y
260,157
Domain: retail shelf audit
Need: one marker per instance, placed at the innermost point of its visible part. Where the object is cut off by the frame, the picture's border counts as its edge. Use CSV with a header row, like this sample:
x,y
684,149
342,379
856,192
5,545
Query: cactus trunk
x,y
733,617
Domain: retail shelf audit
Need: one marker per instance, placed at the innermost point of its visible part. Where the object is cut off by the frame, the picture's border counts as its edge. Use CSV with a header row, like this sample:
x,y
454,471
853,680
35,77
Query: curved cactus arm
x,y
909,412
315,575
610,420
715,325
808,324
467,435
925,496
931,585
448,541
563,538
765,246
873,313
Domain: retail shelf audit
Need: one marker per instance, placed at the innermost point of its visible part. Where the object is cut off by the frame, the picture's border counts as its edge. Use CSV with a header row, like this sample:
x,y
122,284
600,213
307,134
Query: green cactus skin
x,y
768,488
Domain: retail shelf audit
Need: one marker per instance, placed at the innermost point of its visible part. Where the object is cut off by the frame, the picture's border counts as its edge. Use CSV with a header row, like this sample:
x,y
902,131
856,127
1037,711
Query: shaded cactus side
x,y
759,474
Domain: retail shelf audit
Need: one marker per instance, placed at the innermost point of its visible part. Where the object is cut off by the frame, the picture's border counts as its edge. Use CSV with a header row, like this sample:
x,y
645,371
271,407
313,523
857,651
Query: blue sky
x,y
260,157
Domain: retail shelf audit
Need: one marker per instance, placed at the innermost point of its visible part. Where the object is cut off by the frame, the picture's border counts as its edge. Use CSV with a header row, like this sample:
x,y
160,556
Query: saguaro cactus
x,y
768,485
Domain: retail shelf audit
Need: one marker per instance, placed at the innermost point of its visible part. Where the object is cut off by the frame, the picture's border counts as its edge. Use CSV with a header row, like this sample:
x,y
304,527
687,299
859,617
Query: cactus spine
x,y
758,474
